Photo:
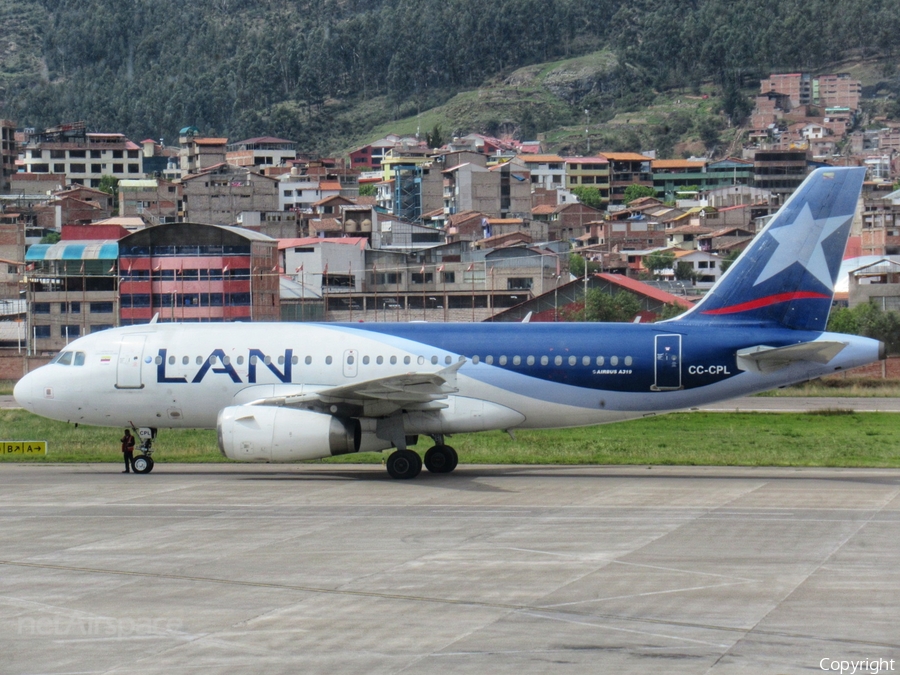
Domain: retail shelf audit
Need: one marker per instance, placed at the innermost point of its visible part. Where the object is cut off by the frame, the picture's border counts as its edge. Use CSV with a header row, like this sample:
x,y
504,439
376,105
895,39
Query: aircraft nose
x,y
27,391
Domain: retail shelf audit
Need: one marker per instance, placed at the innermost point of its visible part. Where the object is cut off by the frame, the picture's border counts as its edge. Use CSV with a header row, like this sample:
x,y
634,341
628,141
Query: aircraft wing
x,y
378,397
765,359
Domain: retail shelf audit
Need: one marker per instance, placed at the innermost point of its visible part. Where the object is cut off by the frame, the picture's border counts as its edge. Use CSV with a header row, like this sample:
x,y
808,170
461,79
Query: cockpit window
x,y
69,358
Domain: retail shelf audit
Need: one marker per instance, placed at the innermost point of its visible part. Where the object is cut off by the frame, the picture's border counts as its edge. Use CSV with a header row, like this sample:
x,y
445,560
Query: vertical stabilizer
x,y
787,274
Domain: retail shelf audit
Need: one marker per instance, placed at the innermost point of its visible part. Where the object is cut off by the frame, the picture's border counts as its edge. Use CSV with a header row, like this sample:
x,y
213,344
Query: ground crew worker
x,y
128,450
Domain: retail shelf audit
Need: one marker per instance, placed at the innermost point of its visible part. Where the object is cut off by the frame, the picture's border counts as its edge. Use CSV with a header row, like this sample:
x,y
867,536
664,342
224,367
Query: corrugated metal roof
x,y
80,250
638,287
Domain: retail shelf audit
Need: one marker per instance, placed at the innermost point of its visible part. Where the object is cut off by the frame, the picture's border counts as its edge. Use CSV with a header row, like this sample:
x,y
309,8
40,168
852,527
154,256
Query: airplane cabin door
x,y
667,363
128,368
351,362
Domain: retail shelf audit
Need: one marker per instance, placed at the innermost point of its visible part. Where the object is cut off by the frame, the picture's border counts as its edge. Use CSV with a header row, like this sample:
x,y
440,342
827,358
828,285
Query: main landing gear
x,y
407,464
143,463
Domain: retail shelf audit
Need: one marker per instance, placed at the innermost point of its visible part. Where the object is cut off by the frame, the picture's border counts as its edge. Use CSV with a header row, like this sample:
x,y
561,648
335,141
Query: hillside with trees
x,y
327,73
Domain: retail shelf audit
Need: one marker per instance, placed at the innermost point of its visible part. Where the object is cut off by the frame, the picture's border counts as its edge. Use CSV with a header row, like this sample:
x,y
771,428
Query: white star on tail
x,y
801,241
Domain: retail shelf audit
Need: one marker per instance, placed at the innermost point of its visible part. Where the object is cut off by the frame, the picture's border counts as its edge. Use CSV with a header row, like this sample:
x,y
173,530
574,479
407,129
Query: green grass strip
x,y
826,438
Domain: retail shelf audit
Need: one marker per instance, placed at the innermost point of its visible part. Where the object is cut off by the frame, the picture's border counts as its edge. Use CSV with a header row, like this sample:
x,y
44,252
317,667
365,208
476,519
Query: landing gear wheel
x,y
404,464
441,459
142,464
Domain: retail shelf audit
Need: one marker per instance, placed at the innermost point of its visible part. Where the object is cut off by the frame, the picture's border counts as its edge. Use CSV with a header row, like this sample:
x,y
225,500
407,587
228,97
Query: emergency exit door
x,y
667,363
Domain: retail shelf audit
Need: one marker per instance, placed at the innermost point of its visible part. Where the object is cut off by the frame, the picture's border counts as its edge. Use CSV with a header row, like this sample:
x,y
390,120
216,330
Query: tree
x,y
589,196
635,191
684,271
110,185
729,259
871,321
435,137
670,311
50,238
577,265
602,306
658,261
367,190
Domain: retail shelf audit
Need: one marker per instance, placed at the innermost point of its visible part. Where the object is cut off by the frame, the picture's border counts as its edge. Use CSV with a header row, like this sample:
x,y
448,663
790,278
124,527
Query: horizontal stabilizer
x,y
764,359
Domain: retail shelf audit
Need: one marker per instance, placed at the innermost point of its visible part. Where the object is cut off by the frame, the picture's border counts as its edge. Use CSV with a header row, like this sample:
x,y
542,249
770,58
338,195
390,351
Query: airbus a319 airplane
x,y
283,392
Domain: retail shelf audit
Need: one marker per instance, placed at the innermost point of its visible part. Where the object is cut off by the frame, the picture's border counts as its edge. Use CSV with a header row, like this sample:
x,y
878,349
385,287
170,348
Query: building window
x,y
40,168
42,331
419,278
118,168
117,154
70,331
77,168
101,308
134,168
59,168
96,154
40,308
96,168
519,283
96,328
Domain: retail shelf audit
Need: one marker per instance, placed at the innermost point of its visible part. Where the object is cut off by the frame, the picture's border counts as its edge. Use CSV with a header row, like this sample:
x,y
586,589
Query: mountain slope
x,y
327,73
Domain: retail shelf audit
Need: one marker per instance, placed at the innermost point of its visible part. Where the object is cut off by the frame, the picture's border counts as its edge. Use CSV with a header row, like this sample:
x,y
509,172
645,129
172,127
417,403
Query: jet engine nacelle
x,y
273,434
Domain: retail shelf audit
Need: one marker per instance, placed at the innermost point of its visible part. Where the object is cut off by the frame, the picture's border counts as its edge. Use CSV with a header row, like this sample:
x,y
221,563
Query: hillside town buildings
x,y
218,230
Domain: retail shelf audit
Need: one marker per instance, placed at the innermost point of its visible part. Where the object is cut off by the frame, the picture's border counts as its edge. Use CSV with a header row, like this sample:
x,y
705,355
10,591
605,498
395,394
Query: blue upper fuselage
x,y
610,357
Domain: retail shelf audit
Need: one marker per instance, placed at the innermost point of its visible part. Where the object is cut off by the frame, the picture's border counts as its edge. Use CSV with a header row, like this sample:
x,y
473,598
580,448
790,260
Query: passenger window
x,y
79,358
613,360
557,360
365,360
503,360
572,360
517,360
65,359
379,360
600,360
349,359
281,360
199,360
489,359
544,360
586,361
628,361
212,359
475,359
307,360
253,360
267,360
185,360
157,360
393,360
421,360
530,360
294,360
171,360
328,360
448,359
434,360
406,360
226,360
241,360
